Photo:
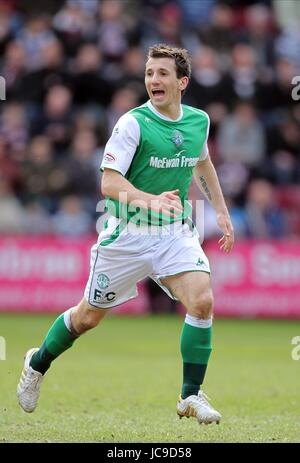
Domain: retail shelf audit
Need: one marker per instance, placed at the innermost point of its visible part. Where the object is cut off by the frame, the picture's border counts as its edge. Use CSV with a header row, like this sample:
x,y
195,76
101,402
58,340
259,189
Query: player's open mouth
x,y
158,93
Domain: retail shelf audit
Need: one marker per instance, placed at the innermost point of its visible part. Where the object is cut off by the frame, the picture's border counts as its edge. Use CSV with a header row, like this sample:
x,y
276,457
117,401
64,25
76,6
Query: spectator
x,y
196,14
34,37
263,216
169,25
288,43
35,220
82,167
52,72
9,168
282,169
71,219
133,72
73,24
88,7
42,180
241,137
55,119
13,70
286,12
238,218
209,89
243,73
14,128
89,85
219,32
9,23
284,135
112,32
277,95
123,100
233,178
11,211
259,33
91,118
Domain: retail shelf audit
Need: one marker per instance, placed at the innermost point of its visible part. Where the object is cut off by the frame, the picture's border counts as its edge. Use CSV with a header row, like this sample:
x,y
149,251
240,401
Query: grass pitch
x,y
120,383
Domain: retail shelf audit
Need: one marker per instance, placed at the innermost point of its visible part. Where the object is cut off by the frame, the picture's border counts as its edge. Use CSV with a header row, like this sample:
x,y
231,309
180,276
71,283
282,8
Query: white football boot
x,y
28,389
198,406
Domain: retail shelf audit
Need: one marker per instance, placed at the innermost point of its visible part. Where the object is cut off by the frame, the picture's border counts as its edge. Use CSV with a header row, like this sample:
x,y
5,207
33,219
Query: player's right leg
x,y
60,337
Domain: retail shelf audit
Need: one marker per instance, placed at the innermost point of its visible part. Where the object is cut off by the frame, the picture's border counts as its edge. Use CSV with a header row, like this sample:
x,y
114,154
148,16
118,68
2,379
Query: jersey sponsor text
x,y
169,163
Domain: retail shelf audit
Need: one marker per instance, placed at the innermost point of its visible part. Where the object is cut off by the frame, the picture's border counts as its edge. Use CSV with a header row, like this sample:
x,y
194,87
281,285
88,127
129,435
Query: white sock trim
x,y
198,322
67,319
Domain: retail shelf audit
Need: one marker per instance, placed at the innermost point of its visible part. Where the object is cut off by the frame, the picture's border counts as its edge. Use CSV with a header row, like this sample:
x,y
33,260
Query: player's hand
x,y
227,240
167,203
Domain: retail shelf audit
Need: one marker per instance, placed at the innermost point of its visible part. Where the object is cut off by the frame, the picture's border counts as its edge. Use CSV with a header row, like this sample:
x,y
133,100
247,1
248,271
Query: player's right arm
x,y
118,155
115,186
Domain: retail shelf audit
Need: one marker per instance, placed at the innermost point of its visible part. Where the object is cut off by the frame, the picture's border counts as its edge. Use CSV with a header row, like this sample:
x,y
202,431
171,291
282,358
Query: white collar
x,y
162,116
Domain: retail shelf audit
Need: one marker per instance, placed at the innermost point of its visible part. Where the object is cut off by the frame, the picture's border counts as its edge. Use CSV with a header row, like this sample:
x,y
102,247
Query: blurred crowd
x,y
71,73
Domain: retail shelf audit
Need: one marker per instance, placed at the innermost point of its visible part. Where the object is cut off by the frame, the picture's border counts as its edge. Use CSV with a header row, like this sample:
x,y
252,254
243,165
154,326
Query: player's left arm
x,y
208,182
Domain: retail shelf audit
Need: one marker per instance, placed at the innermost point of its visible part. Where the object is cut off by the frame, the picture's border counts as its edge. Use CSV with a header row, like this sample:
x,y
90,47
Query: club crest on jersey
x,y
177,138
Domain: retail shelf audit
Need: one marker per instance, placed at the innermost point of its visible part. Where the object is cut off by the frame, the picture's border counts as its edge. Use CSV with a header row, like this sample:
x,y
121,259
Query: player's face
x,y
162,84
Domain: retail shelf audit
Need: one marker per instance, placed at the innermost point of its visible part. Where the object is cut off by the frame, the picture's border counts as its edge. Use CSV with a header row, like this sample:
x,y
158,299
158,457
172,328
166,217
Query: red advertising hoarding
x,y
49,274
256,279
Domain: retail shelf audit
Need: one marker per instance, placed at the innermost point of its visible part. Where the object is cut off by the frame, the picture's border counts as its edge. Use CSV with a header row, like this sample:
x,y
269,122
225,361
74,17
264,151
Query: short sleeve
x,y
122,145
204,152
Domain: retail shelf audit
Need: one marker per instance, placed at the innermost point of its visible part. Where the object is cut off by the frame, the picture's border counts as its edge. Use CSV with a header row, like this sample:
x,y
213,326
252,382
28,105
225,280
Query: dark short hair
x,y
180,56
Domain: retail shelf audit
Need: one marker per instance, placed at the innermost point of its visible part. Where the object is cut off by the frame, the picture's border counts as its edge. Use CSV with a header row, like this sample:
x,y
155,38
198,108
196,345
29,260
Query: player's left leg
x,y
193,289
60,337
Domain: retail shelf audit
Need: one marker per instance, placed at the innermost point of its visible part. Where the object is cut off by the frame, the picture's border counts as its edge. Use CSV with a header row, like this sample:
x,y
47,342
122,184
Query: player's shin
x,y
196,347
59,338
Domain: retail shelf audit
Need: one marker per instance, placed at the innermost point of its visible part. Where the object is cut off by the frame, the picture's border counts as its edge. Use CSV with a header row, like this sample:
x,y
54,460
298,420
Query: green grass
x,y
120,383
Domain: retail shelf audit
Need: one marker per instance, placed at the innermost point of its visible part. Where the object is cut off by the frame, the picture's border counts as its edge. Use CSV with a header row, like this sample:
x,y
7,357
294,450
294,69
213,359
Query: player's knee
x,y
87,322
202,305
84,319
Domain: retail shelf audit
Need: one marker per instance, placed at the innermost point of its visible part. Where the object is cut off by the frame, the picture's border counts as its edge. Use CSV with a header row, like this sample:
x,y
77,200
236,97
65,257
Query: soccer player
x,y
148,165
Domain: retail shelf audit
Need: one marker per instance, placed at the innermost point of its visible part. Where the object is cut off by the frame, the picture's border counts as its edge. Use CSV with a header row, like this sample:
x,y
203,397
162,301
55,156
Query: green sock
x,y
195,350
58,339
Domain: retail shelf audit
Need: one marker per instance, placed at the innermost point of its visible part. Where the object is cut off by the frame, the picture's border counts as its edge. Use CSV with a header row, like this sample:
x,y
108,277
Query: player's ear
x,y
183,83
